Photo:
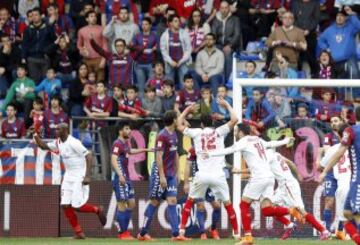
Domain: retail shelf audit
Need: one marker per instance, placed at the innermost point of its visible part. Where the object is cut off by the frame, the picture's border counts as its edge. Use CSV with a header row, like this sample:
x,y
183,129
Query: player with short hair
x,y
288,192
122,185
75,185
164,179
211,171
261,183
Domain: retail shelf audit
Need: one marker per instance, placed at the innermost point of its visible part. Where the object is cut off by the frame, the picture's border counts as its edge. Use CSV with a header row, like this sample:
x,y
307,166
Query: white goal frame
x,y
238,83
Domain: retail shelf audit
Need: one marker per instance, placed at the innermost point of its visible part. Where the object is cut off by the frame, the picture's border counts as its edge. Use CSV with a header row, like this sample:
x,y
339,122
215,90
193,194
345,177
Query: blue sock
x,y
200,215
341,226
173,219
121,219
215,218
327,218
149,213
358,227
128,217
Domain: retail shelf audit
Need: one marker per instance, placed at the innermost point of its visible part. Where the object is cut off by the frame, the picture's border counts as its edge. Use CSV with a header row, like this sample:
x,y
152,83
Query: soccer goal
x,y
308,131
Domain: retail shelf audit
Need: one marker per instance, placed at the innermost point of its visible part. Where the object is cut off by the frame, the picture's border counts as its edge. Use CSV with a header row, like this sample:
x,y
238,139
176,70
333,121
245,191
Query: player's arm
x,y
229,150
40,143
160,165
239,171
181,119
277,143
141,150
233,116
87,178
115,167
333,161
293,168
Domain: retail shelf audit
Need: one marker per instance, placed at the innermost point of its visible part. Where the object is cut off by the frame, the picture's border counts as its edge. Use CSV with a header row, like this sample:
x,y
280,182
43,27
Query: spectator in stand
x,y
218,112
169,98
37,38
54,116
60,3
63,23
131,108
21,93
121,63
285,71
9,59
187,96
26,5
12,127
10,5
307,17
247,24
326,66
197,29
205,101
37,114
76,89
157,81
158,8
227,30
175,48
110,8
63,58
92,58
347,113
259,110
325,108
121,26
8,25
144,46
281,107
80,18
339,39
287,39
23,24
209,65
302,111
50,86
163,22
118,99
184,8
99,105
151,103
90,85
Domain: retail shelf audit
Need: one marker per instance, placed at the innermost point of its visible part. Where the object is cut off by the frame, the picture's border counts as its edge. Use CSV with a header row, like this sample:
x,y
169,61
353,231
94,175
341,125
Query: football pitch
x,y
110,241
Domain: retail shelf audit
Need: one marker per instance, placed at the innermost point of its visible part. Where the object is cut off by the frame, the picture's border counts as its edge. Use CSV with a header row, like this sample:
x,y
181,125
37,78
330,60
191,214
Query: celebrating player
x,y
200,207
75,185
211,171
261,183
350,141
288,192
164,179
121,182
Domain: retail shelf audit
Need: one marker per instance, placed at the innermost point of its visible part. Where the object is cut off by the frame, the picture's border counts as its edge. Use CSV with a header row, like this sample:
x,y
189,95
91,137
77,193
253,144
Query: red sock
x,y
232,217
283,220
275,211
88,208
186,212
245,217
71,216
352,231
311,219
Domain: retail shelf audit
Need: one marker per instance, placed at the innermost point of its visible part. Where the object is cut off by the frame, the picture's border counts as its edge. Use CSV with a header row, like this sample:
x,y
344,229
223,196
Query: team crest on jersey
x,y
345,136
116,149
160,144
339,38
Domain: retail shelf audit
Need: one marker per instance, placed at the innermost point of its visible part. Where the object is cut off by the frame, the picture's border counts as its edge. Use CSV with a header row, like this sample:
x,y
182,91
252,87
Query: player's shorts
x,y
123,192
330,185
259,189
209,196
289,195
352,203
203,181
74,193
155,190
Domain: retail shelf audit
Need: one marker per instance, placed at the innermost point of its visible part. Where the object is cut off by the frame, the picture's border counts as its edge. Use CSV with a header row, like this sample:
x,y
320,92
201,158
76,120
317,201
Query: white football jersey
x,y
279,167
343,168
208,140
73,155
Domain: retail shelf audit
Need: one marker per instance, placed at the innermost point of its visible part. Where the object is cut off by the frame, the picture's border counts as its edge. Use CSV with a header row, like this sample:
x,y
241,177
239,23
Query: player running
x,y
164,179
192,168
210,172
75,185
261,183
288,192
122,185
350,141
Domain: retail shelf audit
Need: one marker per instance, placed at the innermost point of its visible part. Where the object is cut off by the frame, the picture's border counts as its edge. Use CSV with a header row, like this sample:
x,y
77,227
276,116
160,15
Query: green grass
x,y
110,241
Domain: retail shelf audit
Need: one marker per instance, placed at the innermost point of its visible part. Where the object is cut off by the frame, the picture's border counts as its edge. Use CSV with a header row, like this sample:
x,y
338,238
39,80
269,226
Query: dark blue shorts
x,y
155,190
123,193
330,184
352,202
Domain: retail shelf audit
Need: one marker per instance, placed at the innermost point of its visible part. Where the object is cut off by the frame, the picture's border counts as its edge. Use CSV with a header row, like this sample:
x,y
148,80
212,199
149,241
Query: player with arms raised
x,y
211,171
75,185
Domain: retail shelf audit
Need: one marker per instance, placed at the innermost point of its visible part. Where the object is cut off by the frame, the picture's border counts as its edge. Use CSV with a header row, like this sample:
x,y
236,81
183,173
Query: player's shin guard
x,y
232,217
121,219
200,215
245,217
311,219
327,218
173,219
352,231
73,220
186,212
149,213
215,218
88,208
275,211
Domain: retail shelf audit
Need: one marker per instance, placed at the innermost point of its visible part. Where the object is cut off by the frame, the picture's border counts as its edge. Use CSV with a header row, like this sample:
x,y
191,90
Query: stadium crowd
x,y
135,59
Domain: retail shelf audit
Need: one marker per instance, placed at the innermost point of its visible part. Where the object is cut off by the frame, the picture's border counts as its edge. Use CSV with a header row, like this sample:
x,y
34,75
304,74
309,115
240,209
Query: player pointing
x,y
75,185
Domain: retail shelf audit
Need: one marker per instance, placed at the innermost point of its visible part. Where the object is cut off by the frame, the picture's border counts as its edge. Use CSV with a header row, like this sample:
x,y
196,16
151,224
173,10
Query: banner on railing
x,y
23,163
